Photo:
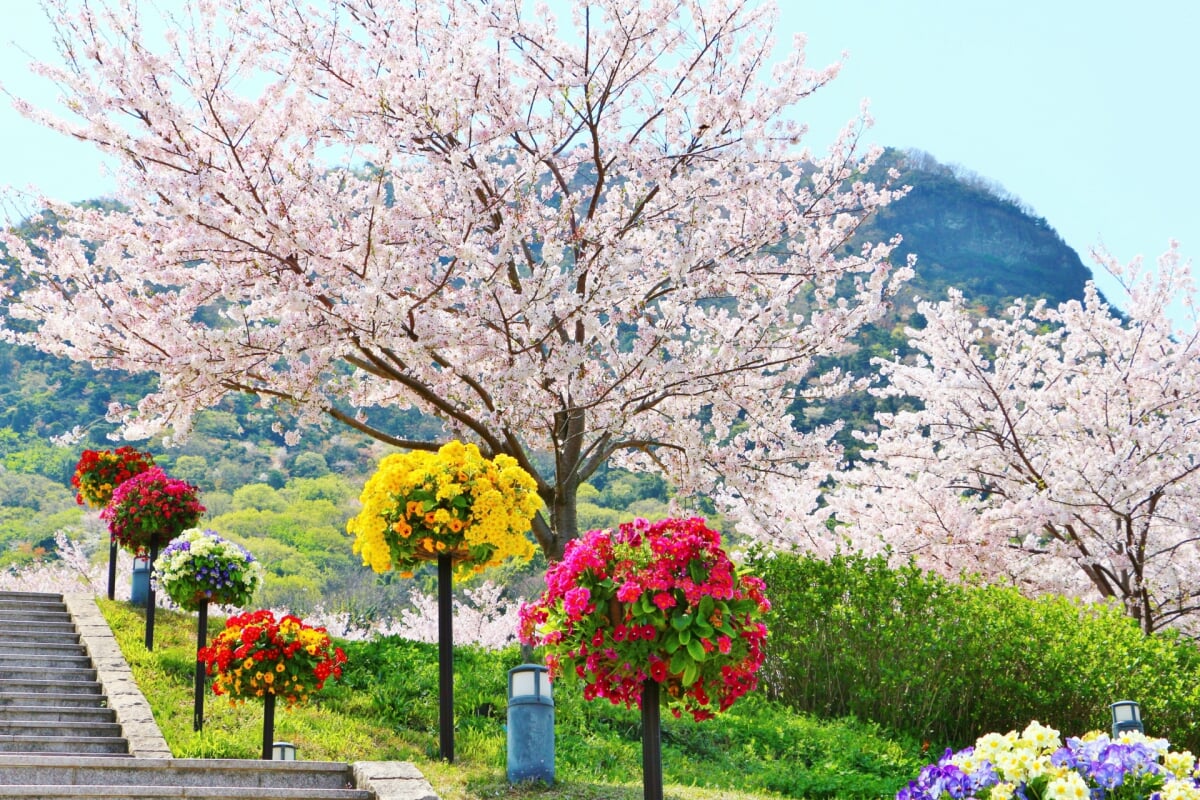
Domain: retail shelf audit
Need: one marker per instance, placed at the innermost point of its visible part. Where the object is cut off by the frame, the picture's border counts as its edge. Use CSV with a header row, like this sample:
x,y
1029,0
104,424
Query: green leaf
x,y
684,635
696,650
671,643
690,673
680,622
680,660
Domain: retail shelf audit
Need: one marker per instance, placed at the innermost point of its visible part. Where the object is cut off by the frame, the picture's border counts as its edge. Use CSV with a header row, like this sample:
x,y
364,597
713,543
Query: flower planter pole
x,y
268,725
150,604
667,609
287,659
112,567
652,775
421,506
97,474
201,640
445,659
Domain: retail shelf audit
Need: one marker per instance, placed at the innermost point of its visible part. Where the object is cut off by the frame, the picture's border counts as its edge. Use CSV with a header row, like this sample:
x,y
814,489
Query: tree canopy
x,y
598,238
1053,447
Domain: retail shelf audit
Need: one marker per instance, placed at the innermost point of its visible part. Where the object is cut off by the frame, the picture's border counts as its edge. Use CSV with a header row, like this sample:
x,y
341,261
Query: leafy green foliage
x,y
948,662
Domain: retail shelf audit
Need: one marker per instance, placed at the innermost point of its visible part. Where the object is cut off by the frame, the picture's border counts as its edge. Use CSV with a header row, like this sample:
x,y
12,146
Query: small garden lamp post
x,y
530,724
283,751
139,591
1126,716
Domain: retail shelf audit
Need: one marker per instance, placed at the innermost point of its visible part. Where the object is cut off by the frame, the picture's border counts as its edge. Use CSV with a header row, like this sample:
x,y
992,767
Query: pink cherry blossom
x,y
601,238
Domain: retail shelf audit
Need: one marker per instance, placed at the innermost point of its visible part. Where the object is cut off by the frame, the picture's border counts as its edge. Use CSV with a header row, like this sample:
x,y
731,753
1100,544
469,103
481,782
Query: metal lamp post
x,y
283,751
1126,716
530,724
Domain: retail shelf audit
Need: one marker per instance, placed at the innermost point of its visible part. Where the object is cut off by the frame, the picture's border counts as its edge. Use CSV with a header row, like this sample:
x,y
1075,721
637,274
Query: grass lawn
x,y
386,710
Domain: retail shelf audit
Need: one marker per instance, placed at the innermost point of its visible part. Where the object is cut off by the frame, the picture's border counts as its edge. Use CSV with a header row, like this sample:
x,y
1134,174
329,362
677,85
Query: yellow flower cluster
x,y
1018,757
419,505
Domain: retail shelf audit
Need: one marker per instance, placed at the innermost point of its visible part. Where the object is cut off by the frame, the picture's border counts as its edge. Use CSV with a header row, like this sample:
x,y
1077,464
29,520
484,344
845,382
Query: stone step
x,y
57,630
29,727
11,614
18,608
22,686
88,700
23,635
43,661
10,649
62,675
50,713
79,745
175,772
32,596
35,792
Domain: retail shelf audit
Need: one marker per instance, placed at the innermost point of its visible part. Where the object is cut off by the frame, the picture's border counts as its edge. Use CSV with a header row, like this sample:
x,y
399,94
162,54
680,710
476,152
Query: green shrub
x,y
948,662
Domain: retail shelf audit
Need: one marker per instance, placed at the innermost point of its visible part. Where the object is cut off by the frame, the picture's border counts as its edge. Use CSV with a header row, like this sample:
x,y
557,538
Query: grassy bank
x,y
386,709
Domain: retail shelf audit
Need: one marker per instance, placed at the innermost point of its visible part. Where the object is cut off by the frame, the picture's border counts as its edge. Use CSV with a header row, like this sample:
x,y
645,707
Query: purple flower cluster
x,y
945,779
200,566
1106,763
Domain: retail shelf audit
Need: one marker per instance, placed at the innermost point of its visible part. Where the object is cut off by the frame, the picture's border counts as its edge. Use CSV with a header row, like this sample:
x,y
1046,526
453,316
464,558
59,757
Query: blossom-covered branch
x,y
557,240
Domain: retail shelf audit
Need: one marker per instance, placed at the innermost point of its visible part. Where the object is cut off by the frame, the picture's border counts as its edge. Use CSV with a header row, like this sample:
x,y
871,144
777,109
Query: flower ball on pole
x,y
258,656
457,508
97,474
201,567
652,606
145,513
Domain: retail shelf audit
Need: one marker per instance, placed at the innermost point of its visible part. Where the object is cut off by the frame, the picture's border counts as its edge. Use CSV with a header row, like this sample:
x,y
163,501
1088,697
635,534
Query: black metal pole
x,y
652,777
268,725
112,567
201,640
150,599
445,660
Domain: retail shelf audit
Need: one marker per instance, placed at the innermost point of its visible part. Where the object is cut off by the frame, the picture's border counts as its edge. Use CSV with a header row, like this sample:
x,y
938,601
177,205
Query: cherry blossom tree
x,y
1059,448
601,238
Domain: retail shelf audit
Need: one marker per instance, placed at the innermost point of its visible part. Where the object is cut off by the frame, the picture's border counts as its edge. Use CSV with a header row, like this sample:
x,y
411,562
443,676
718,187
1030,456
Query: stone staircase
x,y
60,737
50,700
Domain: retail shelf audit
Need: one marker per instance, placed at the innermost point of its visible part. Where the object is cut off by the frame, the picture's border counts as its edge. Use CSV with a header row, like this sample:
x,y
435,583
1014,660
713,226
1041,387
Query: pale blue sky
x,y
1086,111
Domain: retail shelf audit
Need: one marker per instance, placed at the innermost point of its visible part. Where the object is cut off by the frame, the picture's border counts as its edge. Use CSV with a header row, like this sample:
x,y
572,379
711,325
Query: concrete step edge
x,y
47,673
11,649
230,773
11,609
37,635
23,626
100,714
71,700
14,614
38,792
61,727
35,595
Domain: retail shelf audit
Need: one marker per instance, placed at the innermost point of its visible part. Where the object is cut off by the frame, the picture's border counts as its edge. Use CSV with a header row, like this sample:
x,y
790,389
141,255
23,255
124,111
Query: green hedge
x,y
947,662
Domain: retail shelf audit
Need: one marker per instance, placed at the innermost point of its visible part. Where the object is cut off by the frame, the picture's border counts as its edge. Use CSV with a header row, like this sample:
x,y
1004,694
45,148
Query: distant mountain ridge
x,y
966,232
